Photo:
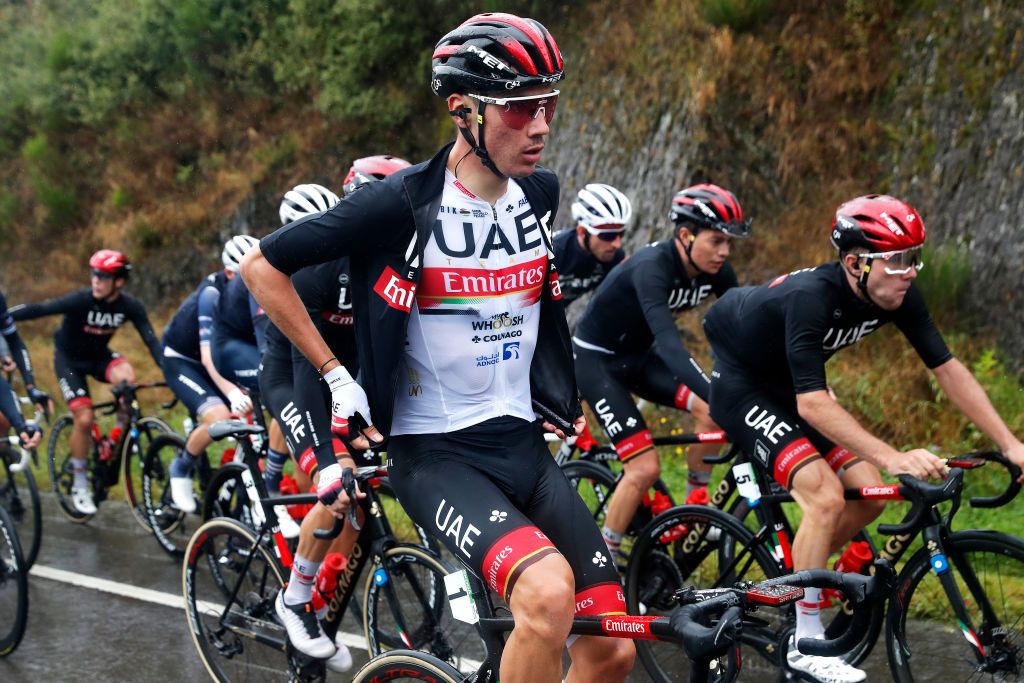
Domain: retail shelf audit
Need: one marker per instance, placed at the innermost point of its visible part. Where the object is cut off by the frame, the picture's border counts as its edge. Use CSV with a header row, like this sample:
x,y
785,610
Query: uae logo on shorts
x,y
761,452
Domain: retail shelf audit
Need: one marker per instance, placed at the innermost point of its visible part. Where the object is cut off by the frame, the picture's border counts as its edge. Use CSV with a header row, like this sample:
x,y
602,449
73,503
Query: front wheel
x,y
19,495
406,606
407,665
62,476
230,583
926,641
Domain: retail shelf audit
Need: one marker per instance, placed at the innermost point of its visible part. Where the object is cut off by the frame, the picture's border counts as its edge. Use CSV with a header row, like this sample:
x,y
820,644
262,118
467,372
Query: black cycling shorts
x,y
191,383
237,361
71,374
765,424
607,383
301,403
495,497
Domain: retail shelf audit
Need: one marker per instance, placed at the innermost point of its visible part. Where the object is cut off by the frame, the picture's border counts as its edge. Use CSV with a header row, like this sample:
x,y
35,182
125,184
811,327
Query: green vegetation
x,y
739,15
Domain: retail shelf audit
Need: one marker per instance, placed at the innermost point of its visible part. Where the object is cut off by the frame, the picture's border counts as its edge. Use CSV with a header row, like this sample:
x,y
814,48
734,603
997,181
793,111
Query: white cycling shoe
x,y
304,630
182,494
81,498
289,528
342,659
824,669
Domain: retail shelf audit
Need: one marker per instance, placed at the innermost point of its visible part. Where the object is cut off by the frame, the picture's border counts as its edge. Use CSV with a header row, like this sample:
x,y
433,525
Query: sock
x,y
613,539
272,475
696,480
808,615
79,467
183,464
300,585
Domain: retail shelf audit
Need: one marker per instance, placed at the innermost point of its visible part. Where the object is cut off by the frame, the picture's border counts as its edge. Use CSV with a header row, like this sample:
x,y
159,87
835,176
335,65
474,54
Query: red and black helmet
x,y
878,223
110,262
368,169
710,206
495,52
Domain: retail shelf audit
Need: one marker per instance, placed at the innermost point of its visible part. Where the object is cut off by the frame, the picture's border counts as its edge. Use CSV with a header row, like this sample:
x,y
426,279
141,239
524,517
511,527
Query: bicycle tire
x,y
58,463
133,448
944,649
171,527
407,665
225,495
215,555
405,588
19,495
13,587
681,547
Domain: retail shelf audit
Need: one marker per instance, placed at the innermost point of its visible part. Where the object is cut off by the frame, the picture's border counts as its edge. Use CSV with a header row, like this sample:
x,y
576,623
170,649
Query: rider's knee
x,y
821,494
602,659
215,414
543,600
644,469
84,418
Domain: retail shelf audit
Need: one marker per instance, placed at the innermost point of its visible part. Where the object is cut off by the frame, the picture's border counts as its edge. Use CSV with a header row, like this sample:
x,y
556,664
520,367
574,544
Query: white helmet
x,y
303,200
598,204
234,249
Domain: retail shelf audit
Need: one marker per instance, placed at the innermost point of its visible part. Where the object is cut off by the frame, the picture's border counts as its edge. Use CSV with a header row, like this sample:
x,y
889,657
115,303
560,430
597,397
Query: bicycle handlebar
x,y
349,481
1012,489
923,496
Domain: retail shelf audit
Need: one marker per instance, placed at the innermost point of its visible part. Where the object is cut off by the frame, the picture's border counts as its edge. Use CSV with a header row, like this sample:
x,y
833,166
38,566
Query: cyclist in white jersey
x,y
452,274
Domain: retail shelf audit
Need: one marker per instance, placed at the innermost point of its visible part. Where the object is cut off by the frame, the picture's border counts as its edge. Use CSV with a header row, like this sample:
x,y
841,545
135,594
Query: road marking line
x,y
147,595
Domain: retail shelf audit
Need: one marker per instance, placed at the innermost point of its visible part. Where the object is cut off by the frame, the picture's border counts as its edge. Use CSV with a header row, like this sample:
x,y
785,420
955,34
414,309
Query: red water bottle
x,y
327,582
855,560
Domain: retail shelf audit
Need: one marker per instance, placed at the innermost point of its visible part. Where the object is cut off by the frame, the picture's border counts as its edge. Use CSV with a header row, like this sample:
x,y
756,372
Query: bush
x,y
739,15
944,278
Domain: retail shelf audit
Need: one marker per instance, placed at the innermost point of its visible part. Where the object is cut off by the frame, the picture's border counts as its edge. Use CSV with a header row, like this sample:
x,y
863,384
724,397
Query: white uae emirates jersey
x,y
473,328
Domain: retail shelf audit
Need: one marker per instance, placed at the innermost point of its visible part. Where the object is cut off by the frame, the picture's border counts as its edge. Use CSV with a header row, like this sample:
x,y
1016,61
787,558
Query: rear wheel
x,y
230,583
19,495
406,606
13,587
134,446
682,547
171,526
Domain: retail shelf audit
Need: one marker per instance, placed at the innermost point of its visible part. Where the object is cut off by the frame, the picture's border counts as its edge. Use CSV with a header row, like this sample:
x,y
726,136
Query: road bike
x,y
111,459
232,573
979,587
711,649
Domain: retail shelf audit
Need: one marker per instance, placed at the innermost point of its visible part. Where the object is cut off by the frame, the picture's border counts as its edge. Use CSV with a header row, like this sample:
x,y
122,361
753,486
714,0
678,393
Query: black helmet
x,y
710,206
495,52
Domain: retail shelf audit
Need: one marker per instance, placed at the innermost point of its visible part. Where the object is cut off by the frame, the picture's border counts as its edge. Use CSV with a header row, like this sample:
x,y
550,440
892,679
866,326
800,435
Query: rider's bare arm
x,y
276,294
832,420
968,395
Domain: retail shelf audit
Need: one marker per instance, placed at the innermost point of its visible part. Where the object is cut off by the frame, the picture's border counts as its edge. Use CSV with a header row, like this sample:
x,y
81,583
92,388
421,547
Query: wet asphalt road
x,y
81,633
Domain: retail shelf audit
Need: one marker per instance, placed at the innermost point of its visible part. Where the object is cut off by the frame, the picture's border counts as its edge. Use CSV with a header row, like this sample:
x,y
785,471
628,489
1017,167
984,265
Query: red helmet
x,y
710,206
878,223
495,52
110,262
368,169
